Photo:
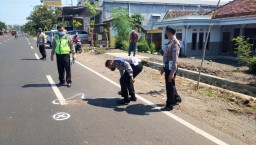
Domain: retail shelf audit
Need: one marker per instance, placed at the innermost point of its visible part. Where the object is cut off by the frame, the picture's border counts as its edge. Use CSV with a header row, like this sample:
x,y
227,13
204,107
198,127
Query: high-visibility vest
x,y
62,44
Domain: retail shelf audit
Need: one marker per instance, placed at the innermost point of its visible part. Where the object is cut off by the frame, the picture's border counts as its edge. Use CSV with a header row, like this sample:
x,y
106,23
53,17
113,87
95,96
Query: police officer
x,y
41,39
63,46
131,67
170,66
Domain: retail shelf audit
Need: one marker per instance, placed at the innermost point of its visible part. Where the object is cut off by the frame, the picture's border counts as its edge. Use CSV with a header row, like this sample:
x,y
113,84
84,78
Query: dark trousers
x,y
42,51
171,91
132,47
125,81
63,64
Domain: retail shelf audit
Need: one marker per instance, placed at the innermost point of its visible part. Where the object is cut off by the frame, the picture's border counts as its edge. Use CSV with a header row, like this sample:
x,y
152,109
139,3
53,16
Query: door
x,y
225,42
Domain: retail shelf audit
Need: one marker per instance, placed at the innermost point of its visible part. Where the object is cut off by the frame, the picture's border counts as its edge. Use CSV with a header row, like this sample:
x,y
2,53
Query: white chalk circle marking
x,y
61,116
81,95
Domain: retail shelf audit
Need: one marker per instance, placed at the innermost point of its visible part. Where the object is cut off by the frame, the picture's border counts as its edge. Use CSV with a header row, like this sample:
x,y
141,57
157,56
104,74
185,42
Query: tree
x,y
137,19
2,25
93,9
77,24
122,23
42,17
245,52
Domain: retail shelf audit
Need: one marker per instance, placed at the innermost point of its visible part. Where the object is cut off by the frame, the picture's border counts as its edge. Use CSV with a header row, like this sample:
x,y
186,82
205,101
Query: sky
x,y
16,11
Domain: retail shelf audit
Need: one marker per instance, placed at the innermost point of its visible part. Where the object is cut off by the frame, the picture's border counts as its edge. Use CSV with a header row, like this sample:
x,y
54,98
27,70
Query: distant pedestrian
x,y
41,40
134,38
90,40
170,67
63,46
131,67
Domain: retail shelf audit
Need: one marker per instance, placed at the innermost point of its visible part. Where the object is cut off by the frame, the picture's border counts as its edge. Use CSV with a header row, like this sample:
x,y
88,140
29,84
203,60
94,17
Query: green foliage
x,y
252,65
122,23
244,50
123,45
143,46
42,17
77,24
152,47
137,18
2,25
92,7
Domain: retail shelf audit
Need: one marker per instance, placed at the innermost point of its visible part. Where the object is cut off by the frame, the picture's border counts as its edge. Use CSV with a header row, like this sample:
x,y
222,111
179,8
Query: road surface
x,y
29,101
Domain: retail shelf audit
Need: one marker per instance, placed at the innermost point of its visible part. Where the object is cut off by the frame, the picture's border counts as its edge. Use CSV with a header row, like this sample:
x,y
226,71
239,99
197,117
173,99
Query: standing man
x,y
41,38
132,67
134,38
63,46
170,67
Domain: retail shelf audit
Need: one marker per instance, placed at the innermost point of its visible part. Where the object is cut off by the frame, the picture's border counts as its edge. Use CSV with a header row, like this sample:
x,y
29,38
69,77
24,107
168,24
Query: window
x,y
179,36
194,40
208,41
201,41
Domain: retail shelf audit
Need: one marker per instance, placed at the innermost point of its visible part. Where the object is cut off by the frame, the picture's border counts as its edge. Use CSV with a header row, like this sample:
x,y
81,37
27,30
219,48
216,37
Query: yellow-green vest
x,y
62,45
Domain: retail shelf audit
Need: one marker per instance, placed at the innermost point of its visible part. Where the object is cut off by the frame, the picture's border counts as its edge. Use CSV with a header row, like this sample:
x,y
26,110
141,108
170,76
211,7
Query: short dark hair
x,y
170,29
60,26
107,62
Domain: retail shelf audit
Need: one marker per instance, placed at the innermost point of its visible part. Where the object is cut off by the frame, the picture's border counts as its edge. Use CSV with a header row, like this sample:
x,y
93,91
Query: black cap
x,y
170,29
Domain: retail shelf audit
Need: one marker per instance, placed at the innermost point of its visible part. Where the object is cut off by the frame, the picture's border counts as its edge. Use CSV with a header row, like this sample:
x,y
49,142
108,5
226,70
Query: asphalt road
x,y
27,107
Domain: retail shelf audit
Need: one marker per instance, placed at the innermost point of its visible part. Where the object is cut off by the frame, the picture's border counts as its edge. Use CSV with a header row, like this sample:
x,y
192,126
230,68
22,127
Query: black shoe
x,y
41,58
133,99
123,102
61,83
167,108
69,85
119,93
178,99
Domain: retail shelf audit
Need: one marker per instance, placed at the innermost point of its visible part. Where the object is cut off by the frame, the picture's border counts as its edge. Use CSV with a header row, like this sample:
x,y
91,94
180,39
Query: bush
x,y
152,47
252,65
143,46
123,45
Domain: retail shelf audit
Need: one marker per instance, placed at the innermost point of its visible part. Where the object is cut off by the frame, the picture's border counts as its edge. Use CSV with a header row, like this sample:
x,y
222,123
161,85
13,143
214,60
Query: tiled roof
x,y
189,2
178,13
237,8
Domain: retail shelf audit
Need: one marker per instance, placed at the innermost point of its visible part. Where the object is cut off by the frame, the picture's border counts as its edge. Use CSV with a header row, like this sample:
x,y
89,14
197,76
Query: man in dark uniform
x,y
131,67
63,46
170,66
41,39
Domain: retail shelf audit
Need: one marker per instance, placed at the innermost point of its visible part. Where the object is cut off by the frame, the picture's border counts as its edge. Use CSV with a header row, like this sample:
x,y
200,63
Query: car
x,y
49,36
81,33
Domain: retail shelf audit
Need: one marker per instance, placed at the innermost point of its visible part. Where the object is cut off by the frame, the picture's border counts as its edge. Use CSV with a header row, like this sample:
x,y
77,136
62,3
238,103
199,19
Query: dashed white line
x,y
32,47
37,57
56,91
178,119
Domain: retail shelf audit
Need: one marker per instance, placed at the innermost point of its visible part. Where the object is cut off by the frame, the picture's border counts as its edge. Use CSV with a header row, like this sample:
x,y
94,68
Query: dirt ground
x,y
220,110
224,68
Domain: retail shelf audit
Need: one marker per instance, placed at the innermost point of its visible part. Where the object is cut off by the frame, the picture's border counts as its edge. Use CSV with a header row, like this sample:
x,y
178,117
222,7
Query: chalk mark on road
x,y
61,116
80,95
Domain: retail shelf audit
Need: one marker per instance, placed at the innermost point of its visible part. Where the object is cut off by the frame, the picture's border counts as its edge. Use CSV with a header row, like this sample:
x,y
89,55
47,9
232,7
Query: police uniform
x,y
41,38
170,64
131,67
63,46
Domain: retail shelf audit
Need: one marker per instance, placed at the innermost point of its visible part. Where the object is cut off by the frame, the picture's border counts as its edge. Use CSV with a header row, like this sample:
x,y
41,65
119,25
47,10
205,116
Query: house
x,y
152,11
236,18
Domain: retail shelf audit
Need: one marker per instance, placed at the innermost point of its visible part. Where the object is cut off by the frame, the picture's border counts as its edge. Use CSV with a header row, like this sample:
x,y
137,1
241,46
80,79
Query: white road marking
x,y
178,119
32,47
56,91
80,95
37,57
61,116
28,43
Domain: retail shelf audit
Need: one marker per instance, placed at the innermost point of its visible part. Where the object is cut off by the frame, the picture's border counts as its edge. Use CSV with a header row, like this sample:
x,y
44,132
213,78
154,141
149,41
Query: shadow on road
x,y
36,85
135,109
30,59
